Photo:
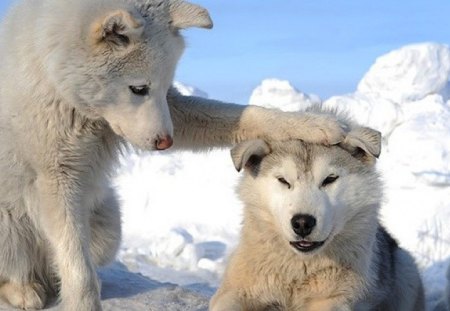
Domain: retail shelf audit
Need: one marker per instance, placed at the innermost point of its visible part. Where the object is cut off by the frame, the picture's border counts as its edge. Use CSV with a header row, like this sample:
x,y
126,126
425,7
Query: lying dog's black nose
x,y
303,224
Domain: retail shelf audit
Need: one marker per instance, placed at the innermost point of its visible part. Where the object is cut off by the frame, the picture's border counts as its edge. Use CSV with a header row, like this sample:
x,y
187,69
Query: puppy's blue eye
x,y
329,180
284,182
141,90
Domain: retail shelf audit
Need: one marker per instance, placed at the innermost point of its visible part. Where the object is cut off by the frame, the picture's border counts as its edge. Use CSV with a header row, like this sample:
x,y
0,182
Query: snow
x,y
180,230
274,93
189,90
410,73
181,217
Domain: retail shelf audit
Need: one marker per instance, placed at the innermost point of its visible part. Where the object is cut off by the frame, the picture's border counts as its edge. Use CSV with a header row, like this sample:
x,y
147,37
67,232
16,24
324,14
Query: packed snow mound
x,y
423,139
409,73
187,90
123,290
280,94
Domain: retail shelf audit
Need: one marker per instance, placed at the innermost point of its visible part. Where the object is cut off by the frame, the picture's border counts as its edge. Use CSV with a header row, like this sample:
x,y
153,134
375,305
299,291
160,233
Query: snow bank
x,y
274,93
122,290
188,90
410,73
180,215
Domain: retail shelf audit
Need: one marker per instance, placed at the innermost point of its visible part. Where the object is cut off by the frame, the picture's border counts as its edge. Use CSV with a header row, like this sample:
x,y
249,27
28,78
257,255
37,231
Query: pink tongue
x,y
305,243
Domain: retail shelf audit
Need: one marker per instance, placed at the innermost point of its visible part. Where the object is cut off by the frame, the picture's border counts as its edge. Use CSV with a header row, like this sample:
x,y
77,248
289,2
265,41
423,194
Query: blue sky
x,y
321,46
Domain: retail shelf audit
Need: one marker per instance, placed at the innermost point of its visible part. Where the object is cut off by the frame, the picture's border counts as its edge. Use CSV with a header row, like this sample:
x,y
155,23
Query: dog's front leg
x,y
65,222
204,123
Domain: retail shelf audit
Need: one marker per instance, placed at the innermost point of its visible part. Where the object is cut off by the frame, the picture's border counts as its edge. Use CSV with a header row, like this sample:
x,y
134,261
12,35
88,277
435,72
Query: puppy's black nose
x,y
303,224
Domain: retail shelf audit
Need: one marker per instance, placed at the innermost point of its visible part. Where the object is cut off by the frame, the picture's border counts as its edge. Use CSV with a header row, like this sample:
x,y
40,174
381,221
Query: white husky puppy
x,y
78,79
311,239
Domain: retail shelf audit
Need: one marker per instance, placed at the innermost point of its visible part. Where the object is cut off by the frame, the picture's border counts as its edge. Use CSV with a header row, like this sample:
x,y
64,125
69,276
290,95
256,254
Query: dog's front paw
x,y
24,296
323,129
318,128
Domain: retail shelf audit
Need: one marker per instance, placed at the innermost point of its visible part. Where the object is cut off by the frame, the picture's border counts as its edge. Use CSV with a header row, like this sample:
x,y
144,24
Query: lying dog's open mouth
x,y
306,246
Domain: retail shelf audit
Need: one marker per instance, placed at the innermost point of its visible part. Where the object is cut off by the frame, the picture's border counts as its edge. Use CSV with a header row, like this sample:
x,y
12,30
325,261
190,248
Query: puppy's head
x,y
115,60
310,193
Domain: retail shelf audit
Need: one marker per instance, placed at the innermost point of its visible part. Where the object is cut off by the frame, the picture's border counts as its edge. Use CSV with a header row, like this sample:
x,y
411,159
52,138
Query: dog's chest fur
x,y
287,281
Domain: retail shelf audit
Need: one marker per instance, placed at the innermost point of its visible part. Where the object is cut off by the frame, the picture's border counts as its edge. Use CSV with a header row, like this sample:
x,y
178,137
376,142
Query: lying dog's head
x,y
308,193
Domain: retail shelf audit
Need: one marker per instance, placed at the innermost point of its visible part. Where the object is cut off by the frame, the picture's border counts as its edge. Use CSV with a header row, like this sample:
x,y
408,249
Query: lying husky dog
x,y
311,239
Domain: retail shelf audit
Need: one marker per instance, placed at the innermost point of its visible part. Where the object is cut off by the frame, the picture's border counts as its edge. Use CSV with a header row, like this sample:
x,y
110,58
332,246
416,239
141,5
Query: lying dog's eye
x,y
329,180
141,90
284,182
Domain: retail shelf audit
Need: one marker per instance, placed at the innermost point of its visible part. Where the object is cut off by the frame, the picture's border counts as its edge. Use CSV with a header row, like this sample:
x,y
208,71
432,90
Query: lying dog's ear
x,y
186,15
363,143
249,154
118,29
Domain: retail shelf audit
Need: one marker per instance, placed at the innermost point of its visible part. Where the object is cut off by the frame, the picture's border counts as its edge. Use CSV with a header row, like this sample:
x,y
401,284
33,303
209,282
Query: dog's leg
x,y
64,219
204,123
408,292
24,270
23,296
105,230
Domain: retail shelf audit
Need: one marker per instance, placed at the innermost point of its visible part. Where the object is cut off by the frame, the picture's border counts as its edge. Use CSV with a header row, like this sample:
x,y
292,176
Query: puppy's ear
x,y
118,29
363,143
186,15
249,154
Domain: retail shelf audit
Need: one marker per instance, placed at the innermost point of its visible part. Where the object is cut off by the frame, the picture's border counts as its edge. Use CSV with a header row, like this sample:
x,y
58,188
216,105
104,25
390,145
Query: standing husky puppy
x,y
79,78
311,239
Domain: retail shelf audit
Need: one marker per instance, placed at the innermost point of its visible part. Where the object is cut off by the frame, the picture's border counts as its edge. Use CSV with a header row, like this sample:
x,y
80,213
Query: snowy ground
x,y
181,216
